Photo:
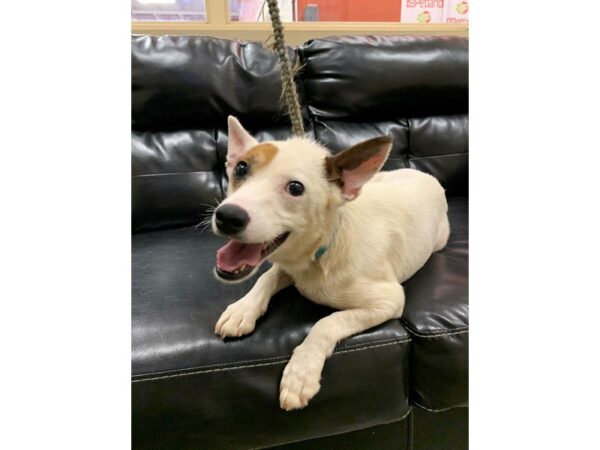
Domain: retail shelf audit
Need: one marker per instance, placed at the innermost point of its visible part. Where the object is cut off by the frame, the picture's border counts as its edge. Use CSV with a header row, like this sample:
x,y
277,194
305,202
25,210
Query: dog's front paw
x,y
238,319
301,380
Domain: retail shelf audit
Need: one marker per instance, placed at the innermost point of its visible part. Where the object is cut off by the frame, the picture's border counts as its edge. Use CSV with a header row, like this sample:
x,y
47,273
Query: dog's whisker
x,y
206,215
201,227
209,207
204,223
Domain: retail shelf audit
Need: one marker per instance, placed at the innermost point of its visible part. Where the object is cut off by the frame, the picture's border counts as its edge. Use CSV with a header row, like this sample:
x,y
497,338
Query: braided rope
x,y
287,77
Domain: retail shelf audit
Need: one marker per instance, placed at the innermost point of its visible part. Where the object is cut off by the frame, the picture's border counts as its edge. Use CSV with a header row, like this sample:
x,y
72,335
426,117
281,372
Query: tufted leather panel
x,y
436,145
340,135
379,77
439,145
176,175
188,82
193,390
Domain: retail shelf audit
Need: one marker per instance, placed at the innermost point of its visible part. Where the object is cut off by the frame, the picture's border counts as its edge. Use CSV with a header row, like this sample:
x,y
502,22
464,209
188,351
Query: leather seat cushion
x,y
437,317
193,390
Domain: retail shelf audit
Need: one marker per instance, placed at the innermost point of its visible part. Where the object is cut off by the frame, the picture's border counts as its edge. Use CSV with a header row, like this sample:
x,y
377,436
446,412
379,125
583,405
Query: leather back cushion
x,y
186,82
351,89
414,88
380,77
175,177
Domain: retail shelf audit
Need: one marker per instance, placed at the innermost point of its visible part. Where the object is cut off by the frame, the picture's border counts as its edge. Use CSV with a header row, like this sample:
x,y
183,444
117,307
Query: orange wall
x,y
354,10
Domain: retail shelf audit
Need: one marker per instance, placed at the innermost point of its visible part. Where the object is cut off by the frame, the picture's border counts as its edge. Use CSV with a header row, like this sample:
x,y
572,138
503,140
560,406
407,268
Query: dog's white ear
x,y
352,168
239,141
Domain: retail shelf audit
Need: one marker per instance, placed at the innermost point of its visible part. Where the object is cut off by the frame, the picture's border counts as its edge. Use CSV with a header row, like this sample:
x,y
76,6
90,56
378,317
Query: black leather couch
x,y
401,385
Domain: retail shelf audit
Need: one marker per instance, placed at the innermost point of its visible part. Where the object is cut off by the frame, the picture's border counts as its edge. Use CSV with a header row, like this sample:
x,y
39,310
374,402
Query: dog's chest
x,y
313,292
323,290
311,283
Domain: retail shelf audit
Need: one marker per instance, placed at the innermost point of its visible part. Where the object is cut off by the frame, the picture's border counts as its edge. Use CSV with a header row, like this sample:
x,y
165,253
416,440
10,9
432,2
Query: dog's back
x,y
404,214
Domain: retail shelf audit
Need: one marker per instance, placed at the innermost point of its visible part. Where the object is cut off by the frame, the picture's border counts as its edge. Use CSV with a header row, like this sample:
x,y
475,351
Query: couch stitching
x,y
284,359
384,341
273,358
212,366
436,410
441,155
147,175
434,334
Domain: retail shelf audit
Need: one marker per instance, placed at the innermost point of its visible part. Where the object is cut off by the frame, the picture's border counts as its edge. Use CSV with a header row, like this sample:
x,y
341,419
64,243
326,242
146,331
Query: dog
x,y
343,232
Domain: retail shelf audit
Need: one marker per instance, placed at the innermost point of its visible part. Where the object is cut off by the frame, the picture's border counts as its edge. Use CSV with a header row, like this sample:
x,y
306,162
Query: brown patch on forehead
x,y
257,157
260,155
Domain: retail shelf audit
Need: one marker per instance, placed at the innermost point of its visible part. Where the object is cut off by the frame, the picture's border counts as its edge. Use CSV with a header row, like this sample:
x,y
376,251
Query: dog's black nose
x,y
231,219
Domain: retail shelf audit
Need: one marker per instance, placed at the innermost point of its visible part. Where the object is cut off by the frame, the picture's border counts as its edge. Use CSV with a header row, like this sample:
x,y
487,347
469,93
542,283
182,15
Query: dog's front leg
x,y
302,375
240,317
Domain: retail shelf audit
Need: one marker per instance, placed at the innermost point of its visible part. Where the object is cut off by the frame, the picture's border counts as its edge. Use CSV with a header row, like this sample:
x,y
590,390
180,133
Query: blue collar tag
x,y
320,252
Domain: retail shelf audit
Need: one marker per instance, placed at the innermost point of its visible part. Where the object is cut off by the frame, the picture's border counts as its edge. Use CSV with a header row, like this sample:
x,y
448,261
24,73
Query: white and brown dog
x,y
345,235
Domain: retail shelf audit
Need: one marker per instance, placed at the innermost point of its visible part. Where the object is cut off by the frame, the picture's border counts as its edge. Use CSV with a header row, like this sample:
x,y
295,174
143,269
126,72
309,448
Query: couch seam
x,y
171,173
436,410
434,334
305,91
410,435
219,164
408,154
261,364
335,434
440,155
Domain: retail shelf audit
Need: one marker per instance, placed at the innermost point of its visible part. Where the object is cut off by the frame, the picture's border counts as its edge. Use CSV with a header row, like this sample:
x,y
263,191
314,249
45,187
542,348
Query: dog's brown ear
x,y
352,168
239,141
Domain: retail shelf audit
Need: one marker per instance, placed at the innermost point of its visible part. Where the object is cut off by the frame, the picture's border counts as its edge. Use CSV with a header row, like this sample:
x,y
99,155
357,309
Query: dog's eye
x,y
295,188
241,170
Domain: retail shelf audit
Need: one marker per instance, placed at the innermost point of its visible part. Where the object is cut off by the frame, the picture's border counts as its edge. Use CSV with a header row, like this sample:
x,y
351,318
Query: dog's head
x,y
281,192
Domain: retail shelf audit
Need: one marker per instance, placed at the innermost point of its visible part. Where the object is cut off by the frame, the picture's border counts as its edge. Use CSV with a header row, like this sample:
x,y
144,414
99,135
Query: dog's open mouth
x,y
236,260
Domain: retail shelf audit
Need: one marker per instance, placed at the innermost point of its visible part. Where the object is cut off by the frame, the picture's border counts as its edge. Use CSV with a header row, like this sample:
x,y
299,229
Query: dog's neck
x,y
328,238
313,246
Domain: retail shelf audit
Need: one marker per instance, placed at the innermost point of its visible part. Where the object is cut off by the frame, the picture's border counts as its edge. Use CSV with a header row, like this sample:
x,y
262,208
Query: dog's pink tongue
x,y
235,254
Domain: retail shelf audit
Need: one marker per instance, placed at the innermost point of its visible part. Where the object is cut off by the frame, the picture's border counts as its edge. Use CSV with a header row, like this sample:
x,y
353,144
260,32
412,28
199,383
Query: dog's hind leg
x,y
240,317
302,375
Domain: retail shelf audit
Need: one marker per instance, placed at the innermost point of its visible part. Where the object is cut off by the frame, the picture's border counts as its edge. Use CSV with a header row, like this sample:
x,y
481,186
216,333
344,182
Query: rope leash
x,y
290,94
